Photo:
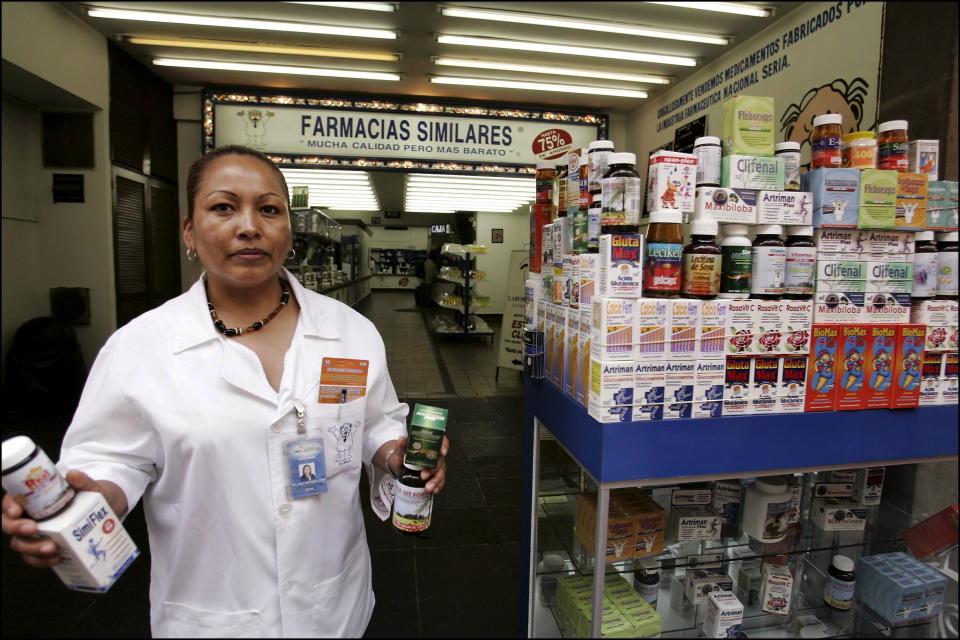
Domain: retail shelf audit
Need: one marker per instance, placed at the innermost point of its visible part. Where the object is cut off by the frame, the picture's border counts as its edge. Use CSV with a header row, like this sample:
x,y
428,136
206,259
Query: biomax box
x,y
877,382
911,201
785,207
940,318
823,368
729,206
671,181
836,195
751,172
878,199
748,123
907,364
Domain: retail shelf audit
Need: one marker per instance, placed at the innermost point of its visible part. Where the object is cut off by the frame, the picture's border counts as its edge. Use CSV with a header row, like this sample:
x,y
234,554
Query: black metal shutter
x,y
130,249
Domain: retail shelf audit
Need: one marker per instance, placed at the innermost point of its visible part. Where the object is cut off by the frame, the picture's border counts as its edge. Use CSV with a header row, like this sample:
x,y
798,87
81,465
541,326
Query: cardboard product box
x,y
878,199
575,180
785,207
735,206
751,172
605,415
830,269
671,181
792,384
695,523
559,286
651,520
678,389
724,617
612,383
875,241
582,384
868,486
853,345
549,336
684,318
741,327
834,488
911,201
846,307
838,514
560,345
571,269
749,584
878,374
822,369
708,381
836,196
589,278
930,379
837,241
571,354
650,378
763,388
798,318
713,326
748,125
907,365
611,333
940,318
621,265
651,323
736,388
923,158
770,326
949,376
621,527
884,307
886,272
727,500
700,583
941,205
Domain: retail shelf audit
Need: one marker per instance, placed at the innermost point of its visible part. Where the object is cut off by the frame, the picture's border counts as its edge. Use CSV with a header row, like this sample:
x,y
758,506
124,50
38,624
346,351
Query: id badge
x,y
306,470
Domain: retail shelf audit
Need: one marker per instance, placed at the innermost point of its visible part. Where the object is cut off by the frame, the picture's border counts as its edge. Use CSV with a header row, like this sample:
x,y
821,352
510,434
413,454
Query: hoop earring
x,y
292,254
191,254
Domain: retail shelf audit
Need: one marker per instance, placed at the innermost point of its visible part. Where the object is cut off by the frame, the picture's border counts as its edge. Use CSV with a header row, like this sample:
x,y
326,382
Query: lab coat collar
x,y
195,326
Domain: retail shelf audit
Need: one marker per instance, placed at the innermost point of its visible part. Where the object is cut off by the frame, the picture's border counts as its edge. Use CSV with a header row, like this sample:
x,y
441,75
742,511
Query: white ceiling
x,y
417,25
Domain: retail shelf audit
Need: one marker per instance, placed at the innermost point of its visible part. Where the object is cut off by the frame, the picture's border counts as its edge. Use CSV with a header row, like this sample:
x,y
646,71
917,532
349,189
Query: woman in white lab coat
x,y
247,372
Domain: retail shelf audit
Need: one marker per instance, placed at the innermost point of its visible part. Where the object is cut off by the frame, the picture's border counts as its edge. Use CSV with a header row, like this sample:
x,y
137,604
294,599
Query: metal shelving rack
x,y
469,325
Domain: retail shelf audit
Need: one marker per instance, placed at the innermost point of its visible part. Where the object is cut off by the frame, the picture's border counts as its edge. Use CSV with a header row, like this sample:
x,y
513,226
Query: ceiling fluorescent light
x,y
538,86
541,47
723,7
559,71
367,6
327,173
240,23
223,45
272,68
570,23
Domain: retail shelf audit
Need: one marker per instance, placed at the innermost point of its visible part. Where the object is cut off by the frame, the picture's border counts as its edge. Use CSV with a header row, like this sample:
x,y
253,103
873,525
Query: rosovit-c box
x,y
853,343
822,368
881,342
908,362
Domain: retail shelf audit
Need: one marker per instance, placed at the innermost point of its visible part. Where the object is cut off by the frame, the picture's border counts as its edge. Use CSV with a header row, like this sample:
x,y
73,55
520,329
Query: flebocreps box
x,y
785,207
736,387
651,323
878,199
734,206
878,372
822,368
713,327
748,125
793,378
930,379
684,328
427,427
852,370
836,196
763,387
621,265
611,328
940,318
907,365
751,172
911,201
671,181
679,378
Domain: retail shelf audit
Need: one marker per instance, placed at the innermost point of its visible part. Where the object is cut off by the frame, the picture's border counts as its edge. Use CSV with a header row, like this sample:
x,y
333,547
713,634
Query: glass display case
x,y
651,500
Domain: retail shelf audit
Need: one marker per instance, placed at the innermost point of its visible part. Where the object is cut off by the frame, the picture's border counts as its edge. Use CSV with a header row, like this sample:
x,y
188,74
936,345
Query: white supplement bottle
x,y
766,511
736,256
598,154
33,480
707,150
769,263
790,152
926,266
801,263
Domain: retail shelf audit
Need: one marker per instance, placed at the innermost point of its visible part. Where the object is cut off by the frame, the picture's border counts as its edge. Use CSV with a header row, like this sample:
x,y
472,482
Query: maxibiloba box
x,y
836,196
684,329
740,334
785,207
886,307
612,383
671,181
764,384
651,324
678,389
878,199
734,206
839,514
724,615
752,172
708,384
611,328
839,307
736,387
621,265
792,384
713,327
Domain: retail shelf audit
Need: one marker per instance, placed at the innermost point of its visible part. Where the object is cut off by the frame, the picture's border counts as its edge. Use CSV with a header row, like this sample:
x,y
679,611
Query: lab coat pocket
x,y
342,605
341,426
183,621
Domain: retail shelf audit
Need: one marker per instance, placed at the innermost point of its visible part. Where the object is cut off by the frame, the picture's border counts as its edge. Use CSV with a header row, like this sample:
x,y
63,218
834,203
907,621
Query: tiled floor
x,y
458,580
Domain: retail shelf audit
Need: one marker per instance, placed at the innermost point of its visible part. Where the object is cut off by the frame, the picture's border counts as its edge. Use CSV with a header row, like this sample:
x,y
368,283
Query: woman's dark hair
x,y
199,167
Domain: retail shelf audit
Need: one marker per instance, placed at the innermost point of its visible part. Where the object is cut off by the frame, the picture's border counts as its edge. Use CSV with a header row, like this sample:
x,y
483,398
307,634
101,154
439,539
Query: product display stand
x,y
467,325
669,452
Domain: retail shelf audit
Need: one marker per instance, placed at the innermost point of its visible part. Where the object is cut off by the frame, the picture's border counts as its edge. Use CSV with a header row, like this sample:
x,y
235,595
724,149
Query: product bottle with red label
x,y
701,262
826,140
663,252
892,145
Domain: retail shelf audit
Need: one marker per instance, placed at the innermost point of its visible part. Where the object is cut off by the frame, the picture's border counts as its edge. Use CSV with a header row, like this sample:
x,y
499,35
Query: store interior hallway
x,y
459,579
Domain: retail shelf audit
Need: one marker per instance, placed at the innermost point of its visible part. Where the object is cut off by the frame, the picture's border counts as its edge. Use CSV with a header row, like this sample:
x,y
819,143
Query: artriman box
x,y
611,336
684,329
678,389
650,379
708,384
651,324
822,368
881,344
785,207
764,390
853,344
793,379
612,383
736,388
836,196
907,365
930,379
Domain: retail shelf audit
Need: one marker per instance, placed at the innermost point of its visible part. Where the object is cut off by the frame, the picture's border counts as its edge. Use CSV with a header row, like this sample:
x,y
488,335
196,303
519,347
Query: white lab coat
x,y
177,413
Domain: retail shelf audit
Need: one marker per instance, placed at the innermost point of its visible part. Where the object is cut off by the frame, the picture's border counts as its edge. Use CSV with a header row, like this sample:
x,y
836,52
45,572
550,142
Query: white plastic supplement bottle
x,y
33,480
707,150
801,263
598,154
766,512
790,152
926,266
769,263
736,257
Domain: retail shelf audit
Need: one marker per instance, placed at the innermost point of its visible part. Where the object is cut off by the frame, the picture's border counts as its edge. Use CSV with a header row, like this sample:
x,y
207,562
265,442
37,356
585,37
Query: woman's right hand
x,y
42,552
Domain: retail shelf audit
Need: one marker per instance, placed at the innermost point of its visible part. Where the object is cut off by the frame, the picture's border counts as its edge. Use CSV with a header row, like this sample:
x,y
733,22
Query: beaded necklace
x,y
256,326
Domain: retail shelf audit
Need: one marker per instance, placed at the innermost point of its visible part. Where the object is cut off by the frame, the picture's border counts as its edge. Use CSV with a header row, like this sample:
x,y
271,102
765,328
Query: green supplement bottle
x,y
735,262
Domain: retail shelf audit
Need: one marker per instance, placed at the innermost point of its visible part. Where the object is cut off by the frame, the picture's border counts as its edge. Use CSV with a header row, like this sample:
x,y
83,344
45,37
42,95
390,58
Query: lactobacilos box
x,y
930,379
678,389
741,327
735,206
650,378
713,326
736,387
671,181
949,378
684,328
798,317
582,389
844,307
589,278
708,385
651,324
621,265
571,354
792,384
769,326
764,384
822,368
785,207
751,172
836,196
611,336
878,374
907,365
878,199
611,383
940,318
853,345
881,307
911,201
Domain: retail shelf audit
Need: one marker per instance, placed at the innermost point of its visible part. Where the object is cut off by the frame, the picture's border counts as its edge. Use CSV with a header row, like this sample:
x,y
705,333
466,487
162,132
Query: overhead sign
x,y
394,135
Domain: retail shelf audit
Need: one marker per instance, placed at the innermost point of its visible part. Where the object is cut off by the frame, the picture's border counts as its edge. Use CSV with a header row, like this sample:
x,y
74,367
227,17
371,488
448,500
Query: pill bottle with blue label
x,y
841,581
